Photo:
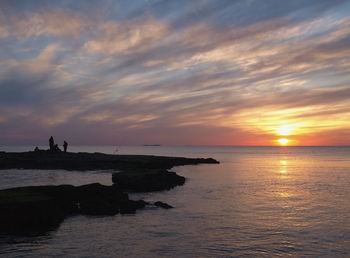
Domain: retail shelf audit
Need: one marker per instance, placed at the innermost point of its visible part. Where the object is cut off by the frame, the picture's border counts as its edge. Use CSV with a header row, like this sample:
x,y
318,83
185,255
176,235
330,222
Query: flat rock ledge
x,y
92,161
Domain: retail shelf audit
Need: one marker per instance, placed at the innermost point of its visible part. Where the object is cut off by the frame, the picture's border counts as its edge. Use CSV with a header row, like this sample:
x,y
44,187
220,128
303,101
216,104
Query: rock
x,y
91,161
163,205
39,209
42,208
147,180
132,206
35,216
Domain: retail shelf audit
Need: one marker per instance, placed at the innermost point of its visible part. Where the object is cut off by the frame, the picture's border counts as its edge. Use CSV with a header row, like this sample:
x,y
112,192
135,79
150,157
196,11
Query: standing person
x,y
56,148
51,143
65,145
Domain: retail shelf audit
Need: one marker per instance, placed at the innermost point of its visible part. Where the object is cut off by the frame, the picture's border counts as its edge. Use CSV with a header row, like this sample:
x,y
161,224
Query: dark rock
x,y
132,206
91,161
147,180
163,205
35,216
43,208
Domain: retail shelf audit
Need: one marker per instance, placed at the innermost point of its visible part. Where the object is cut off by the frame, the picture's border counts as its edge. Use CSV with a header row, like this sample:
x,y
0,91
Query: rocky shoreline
x,y
38,209
92,161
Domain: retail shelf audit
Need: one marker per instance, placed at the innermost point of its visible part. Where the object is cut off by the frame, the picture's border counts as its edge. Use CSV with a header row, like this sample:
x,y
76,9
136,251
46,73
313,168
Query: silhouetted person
x,y
56,148
36,149
65,145
51,143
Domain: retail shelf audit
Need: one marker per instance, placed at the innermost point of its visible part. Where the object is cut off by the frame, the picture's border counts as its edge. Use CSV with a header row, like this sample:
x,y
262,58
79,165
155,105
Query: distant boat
x,y
149,145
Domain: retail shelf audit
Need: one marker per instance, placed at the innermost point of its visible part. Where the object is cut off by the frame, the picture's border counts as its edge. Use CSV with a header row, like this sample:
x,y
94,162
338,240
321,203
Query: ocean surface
x,y
259,202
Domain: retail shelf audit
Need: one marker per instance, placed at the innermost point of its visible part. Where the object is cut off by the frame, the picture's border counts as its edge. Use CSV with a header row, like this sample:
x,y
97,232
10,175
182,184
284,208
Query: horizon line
x,y
161,145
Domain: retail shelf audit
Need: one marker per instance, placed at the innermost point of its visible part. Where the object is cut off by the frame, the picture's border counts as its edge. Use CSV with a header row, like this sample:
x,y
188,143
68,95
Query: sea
x,y
258,202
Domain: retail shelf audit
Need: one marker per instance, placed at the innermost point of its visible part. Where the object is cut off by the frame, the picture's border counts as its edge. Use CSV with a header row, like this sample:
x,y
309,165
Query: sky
x,y
228,72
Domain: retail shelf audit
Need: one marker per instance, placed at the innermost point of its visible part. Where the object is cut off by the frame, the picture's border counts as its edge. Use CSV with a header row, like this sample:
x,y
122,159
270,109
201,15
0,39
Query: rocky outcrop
x,y
163,205
139,173
41,208
91,161
147,180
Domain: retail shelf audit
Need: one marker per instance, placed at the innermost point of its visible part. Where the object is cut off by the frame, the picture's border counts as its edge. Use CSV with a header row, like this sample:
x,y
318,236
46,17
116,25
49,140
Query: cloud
x,y
4,30
125,37
56,23
145,72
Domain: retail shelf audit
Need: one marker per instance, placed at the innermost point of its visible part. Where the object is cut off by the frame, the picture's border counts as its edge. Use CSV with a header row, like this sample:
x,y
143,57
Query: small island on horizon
x,y
38,209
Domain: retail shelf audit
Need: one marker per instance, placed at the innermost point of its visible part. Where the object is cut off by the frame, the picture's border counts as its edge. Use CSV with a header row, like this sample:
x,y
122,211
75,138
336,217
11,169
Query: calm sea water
x,y
260,201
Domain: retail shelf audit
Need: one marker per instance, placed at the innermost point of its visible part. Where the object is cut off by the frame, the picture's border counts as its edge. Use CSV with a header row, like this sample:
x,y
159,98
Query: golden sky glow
x,y
175,72
283,141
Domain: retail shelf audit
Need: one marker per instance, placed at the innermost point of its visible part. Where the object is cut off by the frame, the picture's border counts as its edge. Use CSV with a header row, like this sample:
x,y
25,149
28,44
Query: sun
x,y
283,141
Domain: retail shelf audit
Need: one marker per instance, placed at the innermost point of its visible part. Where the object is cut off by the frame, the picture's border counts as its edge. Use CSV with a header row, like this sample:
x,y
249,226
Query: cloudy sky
x,y
236,72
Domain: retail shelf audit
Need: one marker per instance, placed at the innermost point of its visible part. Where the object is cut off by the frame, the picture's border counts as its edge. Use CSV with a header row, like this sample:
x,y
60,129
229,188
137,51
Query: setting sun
x,y
283,141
